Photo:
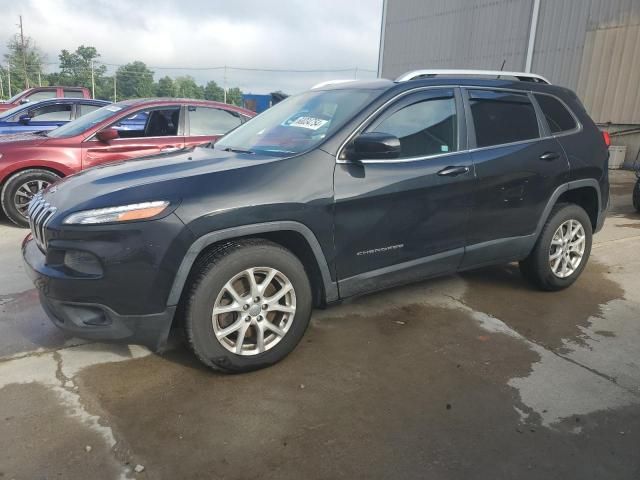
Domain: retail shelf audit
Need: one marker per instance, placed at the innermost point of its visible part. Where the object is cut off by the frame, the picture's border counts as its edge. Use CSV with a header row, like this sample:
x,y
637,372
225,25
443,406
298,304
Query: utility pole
x,y
224,84
115,96
93,82
9,76
24,56
39,79
1,87
355,73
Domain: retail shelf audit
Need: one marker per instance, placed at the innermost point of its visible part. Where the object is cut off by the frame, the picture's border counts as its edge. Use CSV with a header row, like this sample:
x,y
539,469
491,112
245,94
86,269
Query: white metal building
x,y
590,46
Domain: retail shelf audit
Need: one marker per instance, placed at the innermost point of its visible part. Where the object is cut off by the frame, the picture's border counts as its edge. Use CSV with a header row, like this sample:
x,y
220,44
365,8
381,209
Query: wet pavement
x,y
467,376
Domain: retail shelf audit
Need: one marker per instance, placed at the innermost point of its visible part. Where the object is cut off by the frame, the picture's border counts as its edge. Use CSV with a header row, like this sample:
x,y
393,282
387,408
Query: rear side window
x,y
211,121
502,117
427,127
558,117
73,94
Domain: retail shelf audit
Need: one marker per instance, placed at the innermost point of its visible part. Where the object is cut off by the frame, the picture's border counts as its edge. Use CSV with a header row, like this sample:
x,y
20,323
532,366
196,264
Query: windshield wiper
x,y
237,150
41,133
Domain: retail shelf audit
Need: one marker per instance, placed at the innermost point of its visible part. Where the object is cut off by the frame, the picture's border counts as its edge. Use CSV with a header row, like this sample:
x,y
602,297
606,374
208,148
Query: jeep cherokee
x,y
345,189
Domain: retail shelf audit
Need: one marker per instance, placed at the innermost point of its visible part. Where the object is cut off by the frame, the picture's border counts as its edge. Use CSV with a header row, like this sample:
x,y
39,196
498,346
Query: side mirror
x,y
107,135
24,119
375,145
24,100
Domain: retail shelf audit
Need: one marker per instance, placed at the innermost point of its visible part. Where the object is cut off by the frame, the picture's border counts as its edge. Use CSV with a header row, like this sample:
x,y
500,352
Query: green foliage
x,y
186,87
234,96
135,80
14,58
212,91
165,87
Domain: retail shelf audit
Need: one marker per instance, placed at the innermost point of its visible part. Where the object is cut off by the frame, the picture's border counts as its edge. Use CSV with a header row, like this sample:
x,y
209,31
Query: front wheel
x,y
562,249
18,191
248,305
636,196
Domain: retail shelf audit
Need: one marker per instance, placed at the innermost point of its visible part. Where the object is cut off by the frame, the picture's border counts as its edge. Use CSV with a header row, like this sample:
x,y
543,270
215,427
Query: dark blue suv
x,y
348,188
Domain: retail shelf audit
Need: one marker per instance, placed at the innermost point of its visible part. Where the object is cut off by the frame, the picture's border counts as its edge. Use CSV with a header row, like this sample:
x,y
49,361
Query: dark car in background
x,y
36,94
343,190
46,114
119,131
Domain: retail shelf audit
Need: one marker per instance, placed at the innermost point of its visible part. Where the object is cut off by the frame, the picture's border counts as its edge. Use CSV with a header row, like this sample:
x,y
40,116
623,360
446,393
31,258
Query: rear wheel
x,y
636,196
562,249
18,191
248,306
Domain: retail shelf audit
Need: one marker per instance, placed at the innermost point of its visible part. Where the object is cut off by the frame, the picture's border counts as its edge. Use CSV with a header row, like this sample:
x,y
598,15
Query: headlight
x,y
122,213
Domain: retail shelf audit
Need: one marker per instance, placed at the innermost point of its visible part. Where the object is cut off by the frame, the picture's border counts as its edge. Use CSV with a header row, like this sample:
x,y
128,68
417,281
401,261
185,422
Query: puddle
x,y
547,318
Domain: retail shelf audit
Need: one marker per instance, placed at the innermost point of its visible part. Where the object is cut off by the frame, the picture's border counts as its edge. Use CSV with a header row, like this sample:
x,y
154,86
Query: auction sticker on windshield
x,y
311,123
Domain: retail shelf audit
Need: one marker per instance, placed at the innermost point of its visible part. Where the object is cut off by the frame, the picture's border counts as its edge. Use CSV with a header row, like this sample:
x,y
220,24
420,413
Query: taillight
x,y
607,138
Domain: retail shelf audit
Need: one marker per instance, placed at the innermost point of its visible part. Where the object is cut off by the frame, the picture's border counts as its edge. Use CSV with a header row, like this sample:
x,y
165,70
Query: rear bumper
x,y
93,321
602,215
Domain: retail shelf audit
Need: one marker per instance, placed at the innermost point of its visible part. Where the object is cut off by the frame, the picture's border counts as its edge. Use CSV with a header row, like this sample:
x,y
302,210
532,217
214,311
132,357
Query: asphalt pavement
x,y
468,376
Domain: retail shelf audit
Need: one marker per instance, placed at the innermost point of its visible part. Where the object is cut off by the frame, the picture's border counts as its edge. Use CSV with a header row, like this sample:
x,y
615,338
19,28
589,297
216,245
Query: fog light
x,y
82,262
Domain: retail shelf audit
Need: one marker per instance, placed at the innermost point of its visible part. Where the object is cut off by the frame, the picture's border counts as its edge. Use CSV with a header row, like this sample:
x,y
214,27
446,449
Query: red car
x,y
36,94
119,131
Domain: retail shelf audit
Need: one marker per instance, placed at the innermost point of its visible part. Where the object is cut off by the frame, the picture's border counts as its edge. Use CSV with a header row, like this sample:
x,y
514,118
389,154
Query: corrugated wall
x,y
591,46
455,34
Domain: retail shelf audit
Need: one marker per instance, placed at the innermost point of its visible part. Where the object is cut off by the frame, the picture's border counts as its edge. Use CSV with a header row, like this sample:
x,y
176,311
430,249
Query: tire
x,y
636,196
537,267
205,330
13,203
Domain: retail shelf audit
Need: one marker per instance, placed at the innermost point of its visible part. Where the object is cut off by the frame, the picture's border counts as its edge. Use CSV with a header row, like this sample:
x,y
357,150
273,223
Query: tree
x,y
212,91
134,80
165,87
75,69
187,87
234,96
32,59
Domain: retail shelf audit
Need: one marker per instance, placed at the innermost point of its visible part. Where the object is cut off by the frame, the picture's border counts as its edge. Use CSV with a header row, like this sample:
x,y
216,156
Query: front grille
x,y
40,214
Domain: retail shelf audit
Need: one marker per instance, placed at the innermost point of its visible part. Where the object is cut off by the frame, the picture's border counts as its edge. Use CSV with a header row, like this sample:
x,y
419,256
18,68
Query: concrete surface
x,y
468,376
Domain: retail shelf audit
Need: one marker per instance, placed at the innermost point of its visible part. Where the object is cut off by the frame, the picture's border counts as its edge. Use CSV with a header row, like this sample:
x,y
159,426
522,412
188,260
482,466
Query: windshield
x,y
12,111
85,122
298,123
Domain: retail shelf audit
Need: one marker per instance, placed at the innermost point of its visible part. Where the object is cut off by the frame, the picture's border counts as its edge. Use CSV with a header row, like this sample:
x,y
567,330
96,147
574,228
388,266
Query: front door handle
x,y
548,156
453,171
169,149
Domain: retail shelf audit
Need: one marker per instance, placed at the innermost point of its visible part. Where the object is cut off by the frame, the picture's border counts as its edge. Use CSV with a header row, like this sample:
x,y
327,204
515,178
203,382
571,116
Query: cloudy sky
x,y
275,34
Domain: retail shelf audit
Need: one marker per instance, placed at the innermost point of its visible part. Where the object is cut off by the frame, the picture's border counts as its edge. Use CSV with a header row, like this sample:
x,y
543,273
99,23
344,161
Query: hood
x,y
143,179
27,139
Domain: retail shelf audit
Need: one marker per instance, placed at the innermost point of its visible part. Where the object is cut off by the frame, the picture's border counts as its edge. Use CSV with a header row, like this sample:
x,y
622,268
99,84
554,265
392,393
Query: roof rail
x,y
331,82
523,76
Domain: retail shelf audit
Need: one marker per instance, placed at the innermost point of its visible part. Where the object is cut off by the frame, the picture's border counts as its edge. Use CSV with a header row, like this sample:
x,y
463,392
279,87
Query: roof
x,y
161,101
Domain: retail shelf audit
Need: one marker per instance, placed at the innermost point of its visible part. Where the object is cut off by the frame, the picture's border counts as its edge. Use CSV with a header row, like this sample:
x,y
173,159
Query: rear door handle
x,y
548,156
453,171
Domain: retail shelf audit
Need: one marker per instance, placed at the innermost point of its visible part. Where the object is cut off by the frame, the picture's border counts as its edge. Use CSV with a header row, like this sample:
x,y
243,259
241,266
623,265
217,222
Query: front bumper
x,y
92,321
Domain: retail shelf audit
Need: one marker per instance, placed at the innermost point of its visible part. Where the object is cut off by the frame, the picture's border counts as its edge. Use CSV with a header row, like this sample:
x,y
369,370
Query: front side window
x,y
424,128
51,113
212,121
558,117
298,123
502,117
37,96
162,122
86,108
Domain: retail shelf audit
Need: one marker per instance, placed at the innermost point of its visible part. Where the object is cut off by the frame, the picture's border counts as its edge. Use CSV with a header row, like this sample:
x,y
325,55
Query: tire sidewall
x,y
13,183
199,315
569,212
636,195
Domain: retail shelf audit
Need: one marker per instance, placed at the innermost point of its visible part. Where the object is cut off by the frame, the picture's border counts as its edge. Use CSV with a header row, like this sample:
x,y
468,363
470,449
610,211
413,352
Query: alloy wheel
x,y
567,248
254,311
25,193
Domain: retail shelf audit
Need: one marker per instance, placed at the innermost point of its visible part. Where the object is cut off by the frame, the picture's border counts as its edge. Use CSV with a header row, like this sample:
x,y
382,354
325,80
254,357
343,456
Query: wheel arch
x,y
294,236
585,193
23,168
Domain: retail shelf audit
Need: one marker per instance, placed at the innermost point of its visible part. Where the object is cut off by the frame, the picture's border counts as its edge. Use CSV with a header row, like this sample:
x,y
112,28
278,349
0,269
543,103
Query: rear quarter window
x,y
558,117
501,117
